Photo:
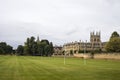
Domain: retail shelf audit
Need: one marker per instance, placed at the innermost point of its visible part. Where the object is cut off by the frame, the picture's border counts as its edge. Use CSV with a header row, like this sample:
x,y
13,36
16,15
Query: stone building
x,y
95,44
57,50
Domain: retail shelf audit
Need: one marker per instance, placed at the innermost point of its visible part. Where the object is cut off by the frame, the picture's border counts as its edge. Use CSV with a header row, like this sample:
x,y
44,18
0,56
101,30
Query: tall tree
x,y
20,50
42,48
114,43
47,50
5,49
43,44
27,47
114,34
51,49
9,49
26,50
39,49
45,41
32,45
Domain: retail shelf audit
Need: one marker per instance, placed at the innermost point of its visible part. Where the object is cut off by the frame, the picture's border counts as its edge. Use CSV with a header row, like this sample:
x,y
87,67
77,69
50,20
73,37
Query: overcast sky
x,y
59,21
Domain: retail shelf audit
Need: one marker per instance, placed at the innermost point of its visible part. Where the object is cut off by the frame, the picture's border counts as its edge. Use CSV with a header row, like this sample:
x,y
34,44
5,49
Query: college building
x,y
95,44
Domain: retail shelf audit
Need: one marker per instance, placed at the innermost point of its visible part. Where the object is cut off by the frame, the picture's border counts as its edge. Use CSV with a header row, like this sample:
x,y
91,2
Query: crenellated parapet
x,y
94,44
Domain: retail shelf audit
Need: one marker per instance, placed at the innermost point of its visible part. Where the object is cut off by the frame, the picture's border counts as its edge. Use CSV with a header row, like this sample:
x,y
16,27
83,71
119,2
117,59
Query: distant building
x,y
77,47
57,50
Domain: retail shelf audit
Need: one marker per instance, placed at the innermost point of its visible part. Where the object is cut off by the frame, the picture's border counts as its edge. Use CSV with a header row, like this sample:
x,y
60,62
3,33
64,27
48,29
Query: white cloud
x,y
59,21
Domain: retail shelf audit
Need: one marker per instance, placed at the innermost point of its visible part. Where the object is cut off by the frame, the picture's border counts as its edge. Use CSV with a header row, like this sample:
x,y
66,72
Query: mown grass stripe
x,y
49,68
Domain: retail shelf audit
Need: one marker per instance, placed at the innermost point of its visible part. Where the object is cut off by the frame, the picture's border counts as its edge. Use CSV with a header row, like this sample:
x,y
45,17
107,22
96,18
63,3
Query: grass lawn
x,y
49,68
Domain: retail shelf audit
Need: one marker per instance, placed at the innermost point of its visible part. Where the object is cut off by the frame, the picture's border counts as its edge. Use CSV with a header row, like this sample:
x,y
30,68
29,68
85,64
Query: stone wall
x,y
99,56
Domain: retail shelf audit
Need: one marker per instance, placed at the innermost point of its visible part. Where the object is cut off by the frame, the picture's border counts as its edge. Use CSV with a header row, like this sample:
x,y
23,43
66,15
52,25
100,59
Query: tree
x,y
9,49
26,50
27,47
114,43
5,49
46,47
51,49
47,50
43,44
42,48
39,49
20,50
32,45
1,51
45,41
114,34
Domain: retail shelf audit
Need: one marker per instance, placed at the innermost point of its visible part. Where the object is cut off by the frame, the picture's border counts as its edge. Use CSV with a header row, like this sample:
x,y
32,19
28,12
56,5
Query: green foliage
x,y
20,50
43,46
38,48
47,50
5,49
9,49
51,48
114,34
27,47
114,43
2,51
45,41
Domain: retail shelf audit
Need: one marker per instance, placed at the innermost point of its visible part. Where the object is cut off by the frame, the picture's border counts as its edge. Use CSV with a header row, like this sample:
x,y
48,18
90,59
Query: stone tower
x,y
95,40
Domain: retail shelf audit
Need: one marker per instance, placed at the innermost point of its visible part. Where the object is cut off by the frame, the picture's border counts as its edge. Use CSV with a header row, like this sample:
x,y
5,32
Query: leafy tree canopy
x,y
114,43
5,48
114,34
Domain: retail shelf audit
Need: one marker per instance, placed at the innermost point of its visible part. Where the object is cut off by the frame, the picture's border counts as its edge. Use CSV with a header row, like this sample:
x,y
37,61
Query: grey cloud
x,y
57,20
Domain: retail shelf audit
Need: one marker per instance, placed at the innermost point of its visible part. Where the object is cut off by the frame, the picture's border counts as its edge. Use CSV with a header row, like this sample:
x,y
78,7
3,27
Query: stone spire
x,y
38,39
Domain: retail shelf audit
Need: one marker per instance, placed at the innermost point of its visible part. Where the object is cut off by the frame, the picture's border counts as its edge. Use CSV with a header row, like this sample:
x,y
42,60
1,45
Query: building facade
x,y
57,50
95,44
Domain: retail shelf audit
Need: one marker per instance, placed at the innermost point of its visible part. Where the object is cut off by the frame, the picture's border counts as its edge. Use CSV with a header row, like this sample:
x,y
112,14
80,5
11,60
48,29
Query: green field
x,y
51,68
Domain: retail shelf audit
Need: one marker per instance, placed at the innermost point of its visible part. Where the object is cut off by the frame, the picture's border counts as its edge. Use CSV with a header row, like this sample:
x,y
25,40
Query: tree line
x,y
45,48
35,48
31,47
